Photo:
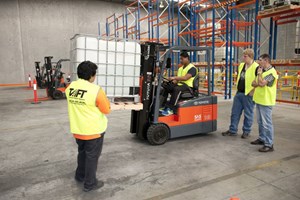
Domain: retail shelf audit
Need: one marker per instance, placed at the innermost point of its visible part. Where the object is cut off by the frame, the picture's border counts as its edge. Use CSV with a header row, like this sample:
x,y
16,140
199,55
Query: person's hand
x,y
171,78
259,71
254,84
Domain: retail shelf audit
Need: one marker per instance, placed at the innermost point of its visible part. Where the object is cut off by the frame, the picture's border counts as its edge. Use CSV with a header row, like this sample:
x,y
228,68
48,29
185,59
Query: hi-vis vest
x,y
85,117
183,72
266,95
249,76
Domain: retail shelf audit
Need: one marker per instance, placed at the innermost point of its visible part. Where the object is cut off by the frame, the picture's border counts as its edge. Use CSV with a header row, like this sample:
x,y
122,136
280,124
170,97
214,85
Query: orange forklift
x,y
196,112
55,82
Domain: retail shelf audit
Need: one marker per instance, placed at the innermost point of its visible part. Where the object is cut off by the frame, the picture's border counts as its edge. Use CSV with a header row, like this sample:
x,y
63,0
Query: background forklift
x,y
52,78
196,113
56,86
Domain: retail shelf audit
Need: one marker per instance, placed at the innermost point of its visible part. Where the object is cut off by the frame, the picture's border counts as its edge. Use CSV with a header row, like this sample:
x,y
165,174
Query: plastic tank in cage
x,y
118,63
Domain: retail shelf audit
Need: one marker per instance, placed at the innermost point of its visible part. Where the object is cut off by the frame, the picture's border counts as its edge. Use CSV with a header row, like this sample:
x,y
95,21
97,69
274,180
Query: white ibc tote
x,y
118,63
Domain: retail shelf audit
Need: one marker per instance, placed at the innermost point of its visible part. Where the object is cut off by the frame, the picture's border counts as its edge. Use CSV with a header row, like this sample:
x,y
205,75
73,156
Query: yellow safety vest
x,y
266,95
249,76
85,117
183,71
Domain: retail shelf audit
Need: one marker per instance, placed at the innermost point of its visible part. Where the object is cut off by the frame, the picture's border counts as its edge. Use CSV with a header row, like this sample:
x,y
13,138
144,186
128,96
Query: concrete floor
x,y
38,158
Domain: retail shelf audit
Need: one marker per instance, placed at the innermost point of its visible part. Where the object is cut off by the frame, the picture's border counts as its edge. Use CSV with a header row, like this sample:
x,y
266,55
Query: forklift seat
x,y
193,92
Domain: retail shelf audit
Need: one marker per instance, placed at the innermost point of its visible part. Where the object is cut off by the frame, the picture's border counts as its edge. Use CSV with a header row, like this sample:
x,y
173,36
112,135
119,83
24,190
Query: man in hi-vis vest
x,y
180,83
243,100
87,106
265,98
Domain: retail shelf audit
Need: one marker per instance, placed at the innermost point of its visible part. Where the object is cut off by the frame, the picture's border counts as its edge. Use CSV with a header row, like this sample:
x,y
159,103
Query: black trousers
x,y
175,91
89,152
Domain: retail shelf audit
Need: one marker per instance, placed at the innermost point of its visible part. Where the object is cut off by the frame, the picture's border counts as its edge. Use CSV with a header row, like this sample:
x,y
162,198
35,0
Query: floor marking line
x,y
222,178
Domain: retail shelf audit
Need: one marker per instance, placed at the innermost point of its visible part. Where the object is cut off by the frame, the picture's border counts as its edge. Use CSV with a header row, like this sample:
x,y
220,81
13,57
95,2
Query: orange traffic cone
x,y
35,97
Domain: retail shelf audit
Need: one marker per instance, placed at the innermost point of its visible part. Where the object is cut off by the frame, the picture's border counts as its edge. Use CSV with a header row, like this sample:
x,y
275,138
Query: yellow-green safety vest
x,y
249,76
266,95
85,117
183,71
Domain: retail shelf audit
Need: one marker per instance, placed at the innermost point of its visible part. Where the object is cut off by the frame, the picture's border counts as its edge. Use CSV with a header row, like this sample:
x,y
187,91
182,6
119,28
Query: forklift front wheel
x,y
57,94
158,134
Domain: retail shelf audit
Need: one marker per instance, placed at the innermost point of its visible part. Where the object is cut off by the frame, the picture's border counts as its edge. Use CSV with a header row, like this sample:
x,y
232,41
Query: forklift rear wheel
x,y
158,134
57,94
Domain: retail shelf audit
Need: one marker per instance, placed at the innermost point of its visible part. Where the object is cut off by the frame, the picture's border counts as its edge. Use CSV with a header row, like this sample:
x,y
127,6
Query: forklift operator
x,y
178,84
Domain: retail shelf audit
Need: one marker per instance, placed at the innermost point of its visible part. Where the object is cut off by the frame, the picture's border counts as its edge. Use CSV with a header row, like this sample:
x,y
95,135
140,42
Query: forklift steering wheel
x,y
166,80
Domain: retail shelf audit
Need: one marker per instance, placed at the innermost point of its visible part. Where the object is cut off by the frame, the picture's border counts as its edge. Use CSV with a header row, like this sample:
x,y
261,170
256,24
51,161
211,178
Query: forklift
x,y
54,81
56,84
44,74
196,112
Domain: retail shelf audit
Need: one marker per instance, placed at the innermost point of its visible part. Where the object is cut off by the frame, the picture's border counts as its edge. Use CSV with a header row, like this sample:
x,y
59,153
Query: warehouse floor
x,y
38,158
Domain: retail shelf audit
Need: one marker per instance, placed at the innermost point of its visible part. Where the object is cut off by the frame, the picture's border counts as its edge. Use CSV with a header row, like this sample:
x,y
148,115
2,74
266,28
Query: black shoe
x,y
80,180
257,142
245,135
266,149
228,133
98,185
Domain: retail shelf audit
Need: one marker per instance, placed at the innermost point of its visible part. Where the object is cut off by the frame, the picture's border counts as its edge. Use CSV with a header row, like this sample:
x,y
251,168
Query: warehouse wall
x,y
285,42
32,29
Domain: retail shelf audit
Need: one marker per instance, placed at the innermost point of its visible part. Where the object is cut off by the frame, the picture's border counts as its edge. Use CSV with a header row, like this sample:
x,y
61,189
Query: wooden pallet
x,y
133,99
295,61
278,9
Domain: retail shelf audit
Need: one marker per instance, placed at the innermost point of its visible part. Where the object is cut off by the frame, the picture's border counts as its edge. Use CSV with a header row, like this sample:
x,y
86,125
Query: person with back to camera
x,y
87,106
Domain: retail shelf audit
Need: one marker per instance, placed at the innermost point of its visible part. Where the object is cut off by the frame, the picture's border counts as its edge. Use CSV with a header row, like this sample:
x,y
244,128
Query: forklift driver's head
x,y
87,71
184,58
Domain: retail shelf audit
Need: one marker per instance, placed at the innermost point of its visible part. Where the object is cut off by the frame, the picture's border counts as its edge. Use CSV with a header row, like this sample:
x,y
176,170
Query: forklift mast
x,y
149,58
58,74
38,69
38,75
48,67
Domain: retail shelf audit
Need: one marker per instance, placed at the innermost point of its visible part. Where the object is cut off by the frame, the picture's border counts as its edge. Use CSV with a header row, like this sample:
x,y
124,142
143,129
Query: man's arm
x,y
102,102
261,82
254,84
268,80
191,73
182,78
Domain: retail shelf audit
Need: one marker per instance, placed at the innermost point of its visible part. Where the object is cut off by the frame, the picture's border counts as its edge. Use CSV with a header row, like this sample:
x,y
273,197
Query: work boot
x,y
162,109
78,179
245,135
257,142
96,186
265,149
167,112
228,133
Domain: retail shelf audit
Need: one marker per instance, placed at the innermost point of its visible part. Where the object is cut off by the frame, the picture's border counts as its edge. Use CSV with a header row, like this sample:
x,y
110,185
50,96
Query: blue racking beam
x,y
226,53
256,29
275,41
213,47
271,36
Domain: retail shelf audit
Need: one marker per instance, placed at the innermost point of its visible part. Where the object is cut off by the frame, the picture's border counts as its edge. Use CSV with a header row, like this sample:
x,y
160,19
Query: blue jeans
x,y
265,125
242,102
